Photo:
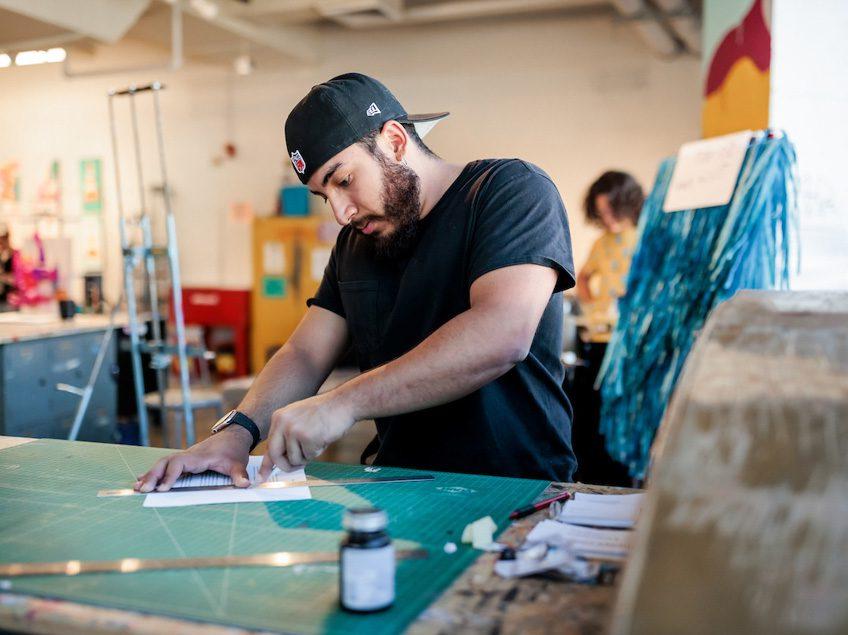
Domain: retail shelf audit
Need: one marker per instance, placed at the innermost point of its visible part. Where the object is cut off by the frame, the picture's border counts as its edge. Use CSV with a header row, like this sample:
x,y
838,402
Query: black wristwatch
x,y
241,419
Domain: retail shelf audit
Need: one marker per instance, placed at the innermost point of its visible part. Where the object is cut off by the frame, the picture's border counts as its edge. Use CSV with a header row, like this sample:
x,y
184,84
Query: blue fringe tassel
x,y
687,263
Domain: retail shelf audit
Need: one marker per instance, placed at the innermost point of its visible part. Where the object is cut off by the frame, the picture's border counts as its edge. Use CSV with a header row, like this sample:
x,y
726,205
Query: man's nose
x,y
343,210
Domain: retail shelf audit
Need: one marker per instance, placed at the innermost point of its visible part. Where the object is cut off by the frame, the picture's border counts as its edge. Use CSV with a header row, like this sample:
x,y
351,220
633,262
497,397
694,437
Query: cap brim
x,y
424,123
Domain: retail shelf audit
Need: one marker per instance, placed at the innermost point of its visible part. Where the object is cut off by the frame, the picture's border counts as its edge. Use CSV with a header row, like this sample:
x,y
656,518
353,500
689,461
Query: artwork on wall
x,y
241,212
91,185
49,196
91,242
10,183
274,287
737,66
91,227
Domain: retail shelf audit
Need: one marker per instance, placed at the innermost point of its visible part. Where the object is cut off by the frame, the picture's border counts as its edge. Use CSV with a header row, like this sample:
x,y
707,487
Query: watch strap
x,y
241,419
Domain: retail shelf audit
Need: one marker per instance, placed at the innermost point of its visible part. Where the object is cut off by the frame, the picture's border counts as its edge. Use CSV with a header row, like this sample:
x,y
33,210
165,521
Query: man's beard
x,y
401,208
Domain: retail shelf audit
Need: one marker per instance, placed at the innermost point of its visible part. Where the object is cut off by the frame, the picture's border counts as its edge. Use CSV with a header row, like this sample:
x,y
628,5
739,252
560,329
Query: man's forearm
x,y
463,355
289,376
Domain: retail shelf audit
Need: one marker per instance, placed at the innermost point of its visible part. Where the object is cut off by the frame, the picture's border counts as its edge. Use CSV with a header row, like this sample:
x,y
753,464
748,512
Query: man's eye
x,y
345,182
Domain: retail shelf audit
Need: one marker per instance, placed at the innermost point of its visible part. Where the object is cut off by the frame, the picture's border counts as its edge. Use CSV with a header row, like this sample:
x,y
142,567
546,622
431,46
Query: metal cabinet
x,y
30,404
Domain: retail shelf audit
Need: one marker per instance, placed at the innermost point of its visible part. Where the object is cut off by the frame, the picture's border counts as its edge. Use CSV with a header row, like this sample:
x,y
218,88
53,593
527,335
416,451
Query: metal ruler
x,y
131,565
367,480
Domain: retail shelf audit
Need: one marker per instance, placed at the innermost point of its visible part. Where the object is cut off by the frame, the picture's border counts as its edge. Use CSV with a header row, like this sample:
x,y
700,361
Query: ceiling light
x,y
56,55
27,58
5,60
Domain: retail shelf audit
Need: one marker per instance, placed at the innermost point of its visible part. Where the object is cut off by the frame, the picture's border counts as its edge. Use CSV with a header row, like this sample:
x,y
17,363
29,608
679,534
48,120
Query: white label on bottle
x,y
368,578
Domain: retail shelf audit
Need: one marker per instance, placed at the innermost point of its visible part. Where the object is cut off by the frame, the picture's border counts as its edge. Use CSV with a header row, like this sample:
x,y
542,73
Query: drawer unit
x,y
31,404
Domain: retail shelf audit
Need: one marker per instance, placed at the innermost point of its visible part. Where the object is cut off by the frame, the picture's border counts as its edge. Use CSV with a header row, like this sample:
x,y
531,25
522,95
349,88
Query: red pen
x,y
534,507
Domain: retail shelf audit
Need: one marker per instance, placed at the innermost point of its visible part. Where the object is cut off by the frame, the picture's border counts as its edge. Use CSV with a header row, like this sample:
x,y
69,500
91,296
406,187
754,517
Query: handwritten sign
x,y
706,172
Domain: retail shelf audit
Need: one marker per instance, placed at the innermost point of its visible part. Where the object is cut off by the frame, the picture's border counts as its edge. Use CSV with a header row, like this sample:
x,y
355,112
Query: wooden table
x,y
481,602
477,602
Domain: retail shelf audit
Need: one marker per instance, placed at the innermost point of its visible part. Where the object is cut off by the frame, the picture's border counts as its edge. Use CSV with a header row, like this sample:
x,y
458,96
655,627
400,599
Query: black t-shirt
x,y
497,213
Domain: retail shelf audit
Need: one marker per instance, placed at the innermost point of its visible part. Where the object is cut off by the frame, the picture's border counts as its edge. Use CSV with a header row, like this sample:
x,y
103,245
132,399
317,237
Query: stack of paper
x,y
602,510
591,529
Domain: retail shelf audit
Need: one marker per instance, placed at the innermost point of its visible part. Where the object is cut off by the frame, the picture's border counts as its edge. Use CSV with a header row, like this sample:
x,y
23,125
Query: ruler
x,y
131,565
366,480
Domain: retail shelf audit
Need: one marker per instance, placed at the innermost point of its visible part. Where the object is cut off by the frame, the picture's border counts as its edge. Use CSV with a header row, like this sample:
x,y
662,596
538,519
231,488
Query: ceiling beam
x,y
103,20
295,42
392,10
459,10
684,21
49,41
175,62
648,24
256,8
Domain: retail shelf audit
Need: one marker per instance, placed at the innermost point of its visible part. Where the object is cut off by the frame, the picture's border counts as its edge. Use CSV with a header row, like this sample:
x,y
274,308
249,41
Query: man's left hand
x,y
302,430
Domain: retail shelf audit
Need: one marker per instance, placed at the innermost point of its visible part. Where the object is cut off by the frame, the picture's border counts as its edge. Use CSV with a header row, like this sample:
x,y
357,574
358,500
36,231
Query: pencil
x,y
534,507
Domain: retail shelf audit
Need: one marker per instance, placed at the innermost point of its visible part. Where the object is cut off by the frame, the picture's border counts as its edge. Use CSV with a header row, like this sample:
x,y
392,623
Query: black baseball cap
x,y
337,114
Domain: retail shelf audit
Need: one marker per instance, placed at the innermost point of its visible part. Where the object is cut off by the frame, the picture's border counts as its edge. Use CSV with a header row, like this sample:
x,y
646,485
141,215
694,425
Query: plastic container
x,y
294,200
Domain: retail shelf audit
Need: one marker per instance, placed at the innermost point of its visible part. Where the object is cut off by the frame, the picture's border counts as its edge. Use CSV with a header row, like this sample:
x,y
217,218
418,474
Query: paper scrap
x,y
532,561
480,533
246,495
584,542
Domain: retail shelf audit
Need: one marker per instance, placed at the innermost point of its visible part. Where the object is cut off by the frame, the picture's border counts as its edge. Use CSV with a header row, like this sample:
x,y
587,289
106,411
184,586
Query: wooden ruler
x,y
131,565
367,480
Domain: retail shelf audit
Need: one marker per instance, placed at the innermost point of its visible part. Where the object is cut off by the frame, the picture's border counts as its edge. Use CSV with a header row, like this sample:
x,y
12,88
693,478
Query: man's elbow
x,y
514,349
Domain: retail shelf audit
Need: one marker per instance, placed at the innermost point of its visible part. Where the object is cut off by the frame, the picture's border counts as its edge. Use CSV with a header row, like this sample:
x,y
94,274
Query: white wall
x,y
809,99
573,95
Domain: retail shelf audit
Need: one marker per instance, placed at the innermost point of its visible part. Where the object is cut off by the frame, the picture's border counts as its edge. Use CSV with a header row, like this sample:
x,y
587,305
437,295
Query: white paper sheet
x,y
248,495
273,259
602,510
619,500
706,172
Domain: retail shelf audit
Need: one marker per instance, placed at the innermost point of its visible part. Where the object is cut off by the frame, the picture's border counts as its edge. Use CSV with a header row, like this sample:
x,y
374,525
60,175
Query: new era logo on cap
x,y
298,162
372,110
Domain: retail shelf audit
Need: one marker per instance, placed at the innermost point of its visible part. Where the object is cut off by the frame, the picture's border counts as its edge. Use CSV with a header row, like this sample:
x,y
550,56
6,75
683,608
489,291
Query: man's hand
x,y
301,431
226,452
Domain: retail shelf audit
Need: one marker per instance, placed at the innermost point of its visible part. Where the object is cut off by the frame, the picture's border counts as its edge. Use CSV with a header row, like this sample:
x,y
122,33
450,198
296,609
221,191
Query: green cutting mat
x,y
50,511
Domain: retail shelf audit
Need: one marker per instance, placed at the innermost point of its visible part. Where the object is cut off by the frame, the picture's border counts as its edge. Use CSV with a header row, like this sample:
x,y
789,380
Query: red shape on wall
x,y
751,38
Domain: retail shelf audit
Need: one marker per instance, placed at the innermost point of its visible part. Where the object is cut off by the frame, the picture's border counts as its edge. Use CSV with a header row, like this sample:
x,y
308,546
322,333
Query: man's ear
x,y
396,138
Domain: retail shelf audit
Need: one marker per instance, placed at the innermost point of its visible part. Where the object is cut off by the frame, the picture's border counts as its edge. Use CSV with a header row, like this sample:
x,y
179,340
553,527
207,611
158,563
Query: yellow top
x,y
607,268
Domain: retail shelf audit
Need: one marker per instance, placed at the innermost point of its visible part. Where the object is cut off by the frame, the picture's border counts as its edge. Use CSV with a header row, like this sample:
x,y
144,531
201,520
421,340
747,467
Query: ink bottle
x,y
366,562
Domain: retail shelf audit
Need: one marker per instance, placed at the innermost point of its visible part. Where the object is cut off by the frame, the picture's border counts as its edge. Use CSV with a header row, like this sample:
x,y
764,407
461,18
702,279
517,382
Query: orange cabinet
x,y
289,256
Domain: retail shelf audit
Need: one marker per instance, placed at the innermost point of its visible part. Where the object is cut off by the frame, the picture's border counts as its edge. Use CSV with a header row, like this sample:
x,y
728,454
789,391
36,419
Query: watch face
x,y
224,421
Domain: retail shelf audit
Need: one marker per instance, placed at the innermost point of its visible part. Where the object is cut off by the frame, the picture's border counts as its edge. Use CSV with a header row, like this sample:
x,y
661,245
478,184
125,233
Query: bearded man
x,y
446,280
